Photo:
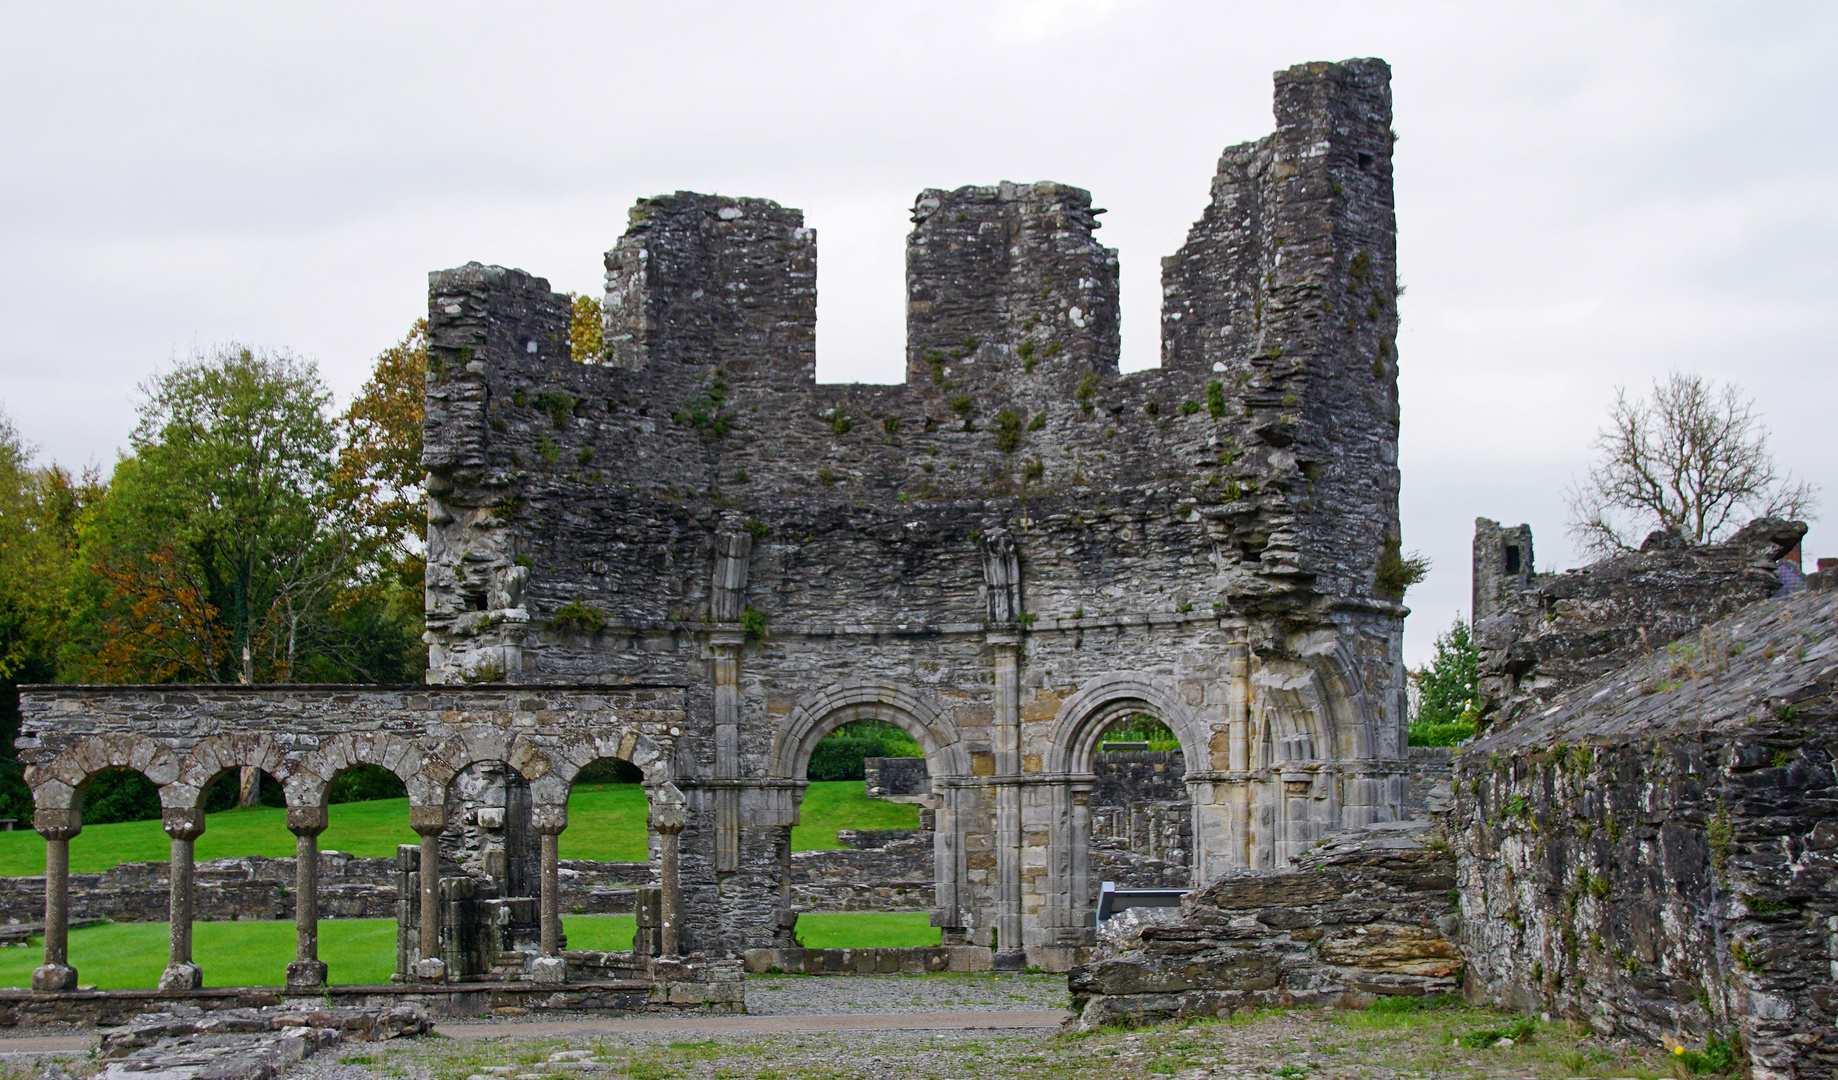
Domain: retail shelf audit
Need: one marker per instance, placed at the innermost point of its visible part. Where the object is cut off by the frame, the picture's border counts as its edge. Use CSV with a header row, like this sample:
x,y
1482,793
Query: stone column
x,y
1007,747
724,647
667,819
184,826
58,827
549,821
429,822
307,973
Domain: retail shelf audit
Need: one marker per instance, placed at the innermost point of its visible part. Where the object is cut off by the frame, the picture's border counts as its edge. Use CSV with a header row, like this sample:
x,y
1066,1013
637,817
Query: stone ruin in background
x,y
687,554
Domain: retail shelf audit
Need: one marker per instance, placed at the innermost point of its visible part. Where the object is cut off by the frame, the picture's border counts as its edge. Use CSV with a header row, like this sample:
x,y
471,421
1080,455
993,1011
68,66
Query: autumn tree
x,y
218,551
39,511
1693,458
586,333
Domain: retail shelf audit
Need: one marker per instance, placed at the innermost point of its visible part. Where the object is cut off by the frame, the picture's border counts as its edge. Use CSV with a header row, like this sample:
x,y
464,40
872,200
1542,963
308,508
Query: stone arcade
x,y
687,554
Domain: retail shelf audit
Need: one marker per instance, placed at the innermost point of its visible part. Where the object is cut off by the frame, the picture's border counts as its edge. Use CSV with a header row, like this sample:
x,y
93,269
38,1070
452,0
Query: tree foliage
x,y
1693,459
228,547
1448,691
586,341
378,472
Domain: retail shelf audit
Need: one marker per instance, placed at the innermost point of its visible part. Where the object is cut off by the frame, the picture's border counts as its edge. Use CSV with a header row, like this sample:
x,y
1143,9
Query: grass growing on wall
x,y
605,821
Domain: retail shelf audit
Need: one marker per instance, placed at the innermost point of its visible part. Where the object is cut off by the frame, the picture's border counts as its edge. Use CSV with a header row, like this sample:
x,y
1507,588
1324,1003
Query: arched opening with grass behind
x,y
605,856
1140,814
836,813
243,933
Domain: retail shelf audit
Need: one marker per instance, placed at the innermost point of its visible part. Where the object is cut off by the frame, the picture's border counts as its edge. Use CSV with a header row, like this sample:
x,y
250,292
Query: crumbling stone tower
x,y
1003,554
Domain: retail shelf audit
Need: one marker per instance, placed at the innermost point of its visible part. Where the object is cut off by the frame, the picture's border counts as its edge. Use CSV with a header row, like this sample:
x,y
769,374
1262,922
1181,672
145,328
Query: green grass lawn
x,y
605,821
865,929
124,956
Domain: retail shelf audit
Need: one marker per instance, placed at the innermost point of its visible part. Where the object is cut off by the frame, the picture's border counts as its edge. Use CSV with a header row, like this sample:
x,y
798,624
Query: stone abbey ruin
x,y
687,555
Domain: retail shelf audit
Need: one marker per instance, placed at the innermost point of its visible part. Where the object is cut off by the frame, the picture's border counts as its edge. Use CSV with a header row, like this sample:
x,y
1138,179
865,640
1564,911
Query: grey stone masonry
x,y
1002,555
1366,916
182,738
1656,853
1542,635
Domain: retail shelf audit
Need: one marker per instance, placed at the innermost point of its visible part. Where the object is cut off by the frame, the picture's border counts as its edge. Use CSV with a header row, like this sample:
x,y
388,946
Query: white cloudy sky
x,y
1589,193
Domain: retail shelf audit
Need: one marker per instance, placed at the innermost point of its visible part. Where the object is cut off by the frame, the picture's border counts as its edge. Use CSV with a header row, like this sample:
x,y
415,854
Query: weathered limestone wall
x,y
1367,915
1543,635
1656,852
1001,555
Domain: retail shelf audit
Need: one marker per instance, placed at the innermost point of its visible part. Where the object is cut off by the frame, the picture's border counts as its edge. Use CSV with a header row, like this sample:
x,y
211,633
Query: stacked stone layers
x,y
1657,852
1543,635
1368,916
1003,555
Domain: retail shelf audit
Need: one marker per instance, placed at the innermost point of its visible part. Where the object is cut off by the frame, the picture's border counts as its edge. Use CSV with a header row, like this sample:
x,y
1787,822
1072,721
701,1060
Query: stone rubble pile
x,y
186,1043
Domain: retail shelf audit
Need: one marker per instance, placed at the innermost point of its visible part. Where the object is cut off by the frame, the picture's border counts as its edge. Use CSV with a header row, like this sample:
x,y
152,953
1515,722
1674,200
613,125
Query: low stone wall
x,y
895,874
1431,770
661,985
1134,776
896,779
1366,915
1657,853
254,888
929,960
244,1044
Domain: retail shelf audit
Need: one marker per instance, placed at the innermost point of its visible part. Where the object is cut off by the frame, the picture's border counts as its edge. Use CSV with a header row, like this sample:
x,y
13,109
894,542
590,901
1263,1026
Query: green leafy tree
x,y
1448,691
39,509
219,552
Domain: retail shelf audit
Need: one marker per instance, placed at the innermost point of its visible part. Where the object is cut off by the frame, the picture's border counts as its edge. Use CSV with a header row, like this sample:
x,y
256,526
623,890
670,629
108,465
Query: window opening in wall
x,y
869,793
1139,809
607,846
1512,558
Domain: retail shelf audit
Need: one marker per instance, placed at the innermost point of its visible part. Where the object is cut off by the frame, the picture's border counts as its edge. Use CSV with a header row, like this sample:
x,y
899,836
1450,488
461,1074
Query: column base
x,y
549,969
186,976
306,975
54,977
431,970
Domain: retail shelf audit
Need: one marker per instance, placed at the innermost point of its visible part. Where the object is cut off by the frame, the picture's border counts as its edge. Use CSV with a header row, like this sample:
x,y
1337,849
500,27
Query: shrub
x,y
838,755
576,617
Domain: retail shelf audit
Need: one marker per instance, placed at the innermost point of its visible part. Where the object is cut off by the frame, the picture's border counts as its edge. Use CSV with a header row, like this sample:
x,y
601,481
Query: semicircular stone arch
x,y
576,752
1084,716
315,771
55,784
823,711
1317,700
216,754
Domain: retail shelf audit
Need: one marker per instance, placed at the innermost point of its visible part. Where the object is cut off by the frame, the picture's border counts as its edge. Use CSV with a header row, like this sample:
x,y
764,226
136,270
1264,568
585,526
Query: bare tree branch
x,y
1693,459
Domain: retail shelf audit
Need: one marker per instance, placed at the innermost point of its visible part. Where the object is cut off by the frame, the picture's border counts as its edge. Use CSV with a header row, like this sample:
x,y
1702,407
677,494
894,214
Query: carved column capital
x,y
307,820
183,824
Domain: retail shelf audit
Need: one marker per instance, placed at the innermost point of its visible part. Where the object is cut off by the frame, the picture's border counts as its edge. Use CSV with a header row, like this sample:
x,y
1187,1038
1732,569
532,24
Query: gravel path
x,y
857,1028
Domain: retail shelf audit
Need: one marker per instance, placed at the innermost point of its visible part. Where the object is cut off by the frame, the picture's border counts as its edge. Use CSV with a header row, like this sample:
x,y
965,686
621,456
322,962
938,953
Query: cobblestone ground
x,y
1422,1044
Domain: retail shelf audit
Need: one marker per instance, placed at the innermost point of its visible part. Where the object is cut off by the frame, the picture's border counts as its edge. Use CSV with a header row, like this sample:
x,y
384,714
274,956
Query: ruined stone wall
x,y
1001,554
1655,853
1543,635
1366,916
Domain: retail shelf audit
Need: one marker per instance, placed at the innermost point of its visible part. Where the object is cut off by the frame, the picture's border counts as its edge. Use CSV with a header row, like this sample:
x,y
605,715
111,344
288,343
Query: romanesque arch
x,y
315,771
217,754
1082,718
55,784
577,752
817,714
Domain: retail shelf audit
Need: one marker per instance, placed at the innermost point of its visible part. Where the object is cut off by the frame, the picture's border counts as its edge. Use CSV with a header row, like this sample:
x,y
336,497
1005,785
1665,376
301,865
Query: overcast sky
x,y
1589,194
